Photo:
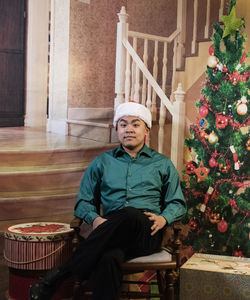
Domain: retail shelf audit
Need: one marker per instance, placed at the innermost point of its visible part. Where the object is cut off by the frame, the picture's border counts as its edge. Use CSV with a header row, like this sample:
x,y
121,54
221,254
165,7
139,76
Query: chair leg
x,y
77,290
169,291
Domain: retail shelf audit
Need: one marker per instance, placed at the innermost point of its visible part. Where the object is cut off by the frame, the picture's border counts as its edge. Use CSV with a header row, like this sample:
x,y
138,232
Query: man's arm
x,y
174,203
88,198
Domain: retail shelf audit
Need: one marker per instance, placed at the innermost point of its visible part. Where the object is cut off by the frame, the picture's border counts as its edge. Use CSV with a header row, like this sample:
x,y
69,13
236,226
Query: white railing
x,y
135,82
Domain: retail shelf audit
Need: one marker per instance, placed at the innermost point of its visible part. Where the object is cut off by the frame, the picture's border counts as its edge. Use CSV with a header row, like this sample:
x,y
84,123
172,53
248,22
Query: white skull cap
x,y
133,109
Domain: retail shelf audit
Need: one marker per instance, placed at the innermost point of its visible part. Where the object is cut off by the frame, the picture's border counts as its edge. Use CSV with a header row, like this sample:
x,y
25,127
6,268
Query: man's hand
x,y
98,221
159,222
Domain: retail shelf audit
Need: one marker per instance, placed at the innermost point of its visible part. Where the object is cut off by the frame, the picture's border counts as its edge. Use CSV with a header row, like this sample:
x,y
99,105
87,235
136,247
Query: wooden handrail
x,y
152,37
148,75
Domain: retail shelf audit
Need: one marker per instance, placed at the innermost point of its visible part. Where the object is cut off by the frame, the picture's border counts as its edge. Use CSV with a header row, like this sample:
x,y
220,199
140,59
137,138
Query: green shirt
x,y
149,182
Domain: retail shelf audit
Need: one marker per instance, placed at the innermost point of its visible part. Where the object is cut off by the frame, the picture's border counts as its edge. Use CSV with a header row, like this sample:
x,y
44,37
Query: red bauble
x,y
194,224
238,253
224,69
221,121
211,50
190,167
212,162
222,226
203,111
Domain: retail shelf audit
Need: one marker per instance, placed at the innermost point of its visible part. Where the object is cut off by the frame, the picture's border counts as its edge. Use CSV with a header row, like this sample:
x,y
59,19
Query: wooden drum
x,y
37,246
31,249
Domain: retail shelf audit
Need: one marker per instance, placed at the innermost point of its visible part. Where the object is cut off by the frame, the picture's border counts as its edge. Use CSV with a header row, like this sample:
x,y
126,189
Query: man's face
x,y
131,132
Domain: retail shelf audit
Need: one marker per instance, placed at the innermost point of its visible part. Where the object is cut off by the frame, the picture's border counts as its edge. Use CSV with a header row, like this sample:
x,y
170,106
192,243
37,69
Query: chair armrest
x,y
173,241
76,223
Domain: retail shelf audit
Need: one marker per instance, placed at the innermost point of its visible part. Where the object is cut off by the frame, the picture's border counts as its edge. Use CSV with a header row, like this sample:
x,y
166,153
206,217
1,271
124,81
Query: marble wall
x,y
93,41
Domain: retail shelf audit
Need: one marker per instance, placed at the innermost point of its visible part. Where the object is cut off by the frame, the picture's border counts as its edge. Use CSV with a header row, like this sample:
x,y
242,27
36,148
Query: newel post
x,y
178,128
122,32
181,24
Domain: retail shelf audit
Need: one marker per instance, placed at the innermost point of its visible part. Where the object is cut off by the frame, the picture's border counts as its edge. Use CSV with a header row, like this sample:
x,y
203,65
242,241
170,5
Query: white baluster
x,y
163,113
133,71
181,24
207,20
195,27
221,7
174,70
149,106
164,67
155,75
178,127
122,32
137,84
127,78
144,82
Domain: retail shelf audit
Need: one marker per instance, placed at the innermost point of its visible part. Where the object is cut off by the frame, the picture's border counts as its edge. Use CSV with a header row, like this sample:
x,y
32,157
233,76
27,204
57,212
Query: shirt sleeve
x,y
174,202
88,197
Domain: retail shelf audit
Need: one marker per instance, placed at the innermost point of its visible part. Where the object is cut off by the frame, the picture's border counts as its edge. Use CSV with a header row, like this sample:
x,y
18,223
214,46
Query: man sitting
x,y
139,190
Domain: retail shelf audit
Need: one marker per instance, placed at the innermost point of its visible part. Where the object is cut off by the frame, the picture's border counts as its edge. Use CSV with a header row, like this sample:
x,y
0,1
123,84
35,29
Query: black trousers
x,y
126,234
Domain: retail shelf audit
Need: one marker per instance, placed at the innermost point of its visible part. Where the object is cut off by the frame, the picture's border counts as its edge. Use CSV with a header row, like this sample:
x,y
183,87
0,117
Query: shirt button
x,y
126,202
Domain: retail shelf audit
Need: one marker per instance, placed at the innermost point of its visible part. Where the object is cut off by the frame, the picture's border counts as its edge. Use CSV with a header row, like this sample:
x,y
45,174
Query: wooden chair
x,y
165,264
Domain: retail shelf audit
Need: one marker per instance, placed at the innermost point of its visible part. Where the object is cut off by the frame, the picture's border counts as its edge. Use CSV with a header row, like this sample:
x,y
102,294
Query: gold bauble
x,y
212,61
248,145
212,138
241,109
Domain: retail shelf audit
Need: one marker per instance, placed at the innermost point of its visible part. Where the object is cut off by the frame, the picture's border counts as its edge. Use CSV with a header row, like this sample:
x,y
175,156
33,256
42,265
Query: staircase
x,y
154,80
40,172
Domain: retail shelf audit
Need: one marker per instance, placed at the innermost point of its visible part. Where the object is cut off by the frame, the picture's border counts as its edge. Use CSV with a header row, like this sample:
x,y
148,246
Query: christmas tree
x,y
217,181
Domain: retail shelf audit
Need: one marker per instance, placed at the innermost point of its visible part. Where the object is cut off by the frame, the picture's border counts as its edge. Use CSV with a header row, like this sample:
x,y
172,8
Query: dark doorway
x,y
12,62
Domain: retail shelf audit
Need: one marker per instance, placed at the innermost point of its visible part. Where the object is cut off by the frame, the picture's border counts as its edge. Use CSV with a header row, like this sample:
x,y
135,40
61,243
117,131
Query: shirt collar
x,y
119,151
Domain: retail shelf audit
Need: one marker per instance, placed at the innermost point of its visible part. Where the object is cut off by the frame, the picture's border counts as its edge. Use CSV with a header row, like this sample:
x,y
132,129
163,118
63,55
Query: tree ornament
x,y
224,168
203,111
202,122
231,23
224,69
190,167
207,196
248,145
214,217
212,162
201,172
212,138
224,248
219,66
203,133
212,61
211,240
230,111
234,78
242,106
238,252
244,130
221,121
237,163
211,50
194,224
222,225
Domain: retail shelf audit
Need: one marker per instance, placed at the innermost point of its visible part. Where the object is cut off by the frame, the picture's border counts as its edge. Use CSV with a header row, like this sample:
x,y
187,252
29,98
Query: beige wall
x,y
92,52
243,10
93,42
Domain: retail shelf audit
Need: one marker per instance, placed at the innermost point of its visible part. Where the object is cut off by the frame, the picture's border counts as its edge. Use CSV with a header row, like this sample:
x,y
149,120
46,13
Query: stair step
x,y
100,130
53,168
34,178
29,157
29,204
